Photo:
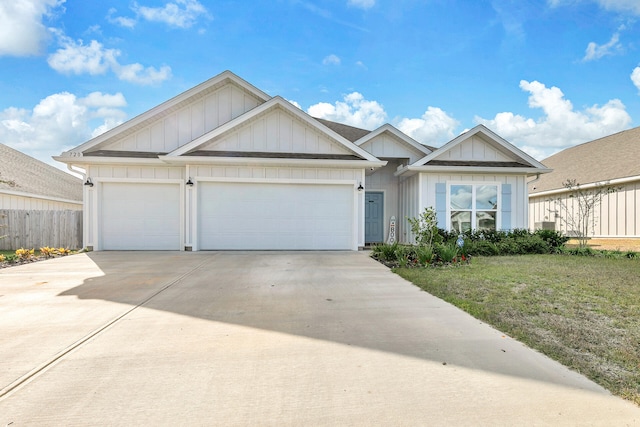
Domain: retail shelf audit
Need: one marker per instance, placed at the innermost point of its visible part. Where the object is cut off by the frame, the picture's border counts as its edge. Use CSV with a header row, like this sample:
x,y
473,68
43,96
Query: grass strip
x,y
581,311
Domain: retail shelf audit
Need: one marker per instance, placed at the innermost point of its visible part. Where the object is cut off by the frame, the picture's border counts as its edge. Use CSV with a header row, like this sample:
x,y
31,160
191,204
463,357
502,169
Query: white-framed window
x,y
473,206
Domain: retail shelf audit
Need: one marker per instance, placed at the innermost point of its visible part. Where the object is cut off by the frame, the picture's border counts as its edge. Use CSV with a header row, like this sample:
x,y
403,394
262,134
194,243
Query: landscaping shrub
x,y
446,252
555,239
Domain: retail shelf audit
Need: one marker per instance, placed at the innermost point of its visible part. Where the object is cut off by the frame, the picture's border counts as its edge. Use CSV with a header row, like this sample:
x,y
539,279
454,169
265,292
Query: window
x,y
473,207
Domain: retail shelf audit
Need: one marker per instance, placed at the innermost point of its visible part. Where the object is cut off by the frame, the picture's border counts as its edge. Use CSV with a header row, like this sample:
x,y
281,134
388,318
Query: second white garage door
x,y
257,216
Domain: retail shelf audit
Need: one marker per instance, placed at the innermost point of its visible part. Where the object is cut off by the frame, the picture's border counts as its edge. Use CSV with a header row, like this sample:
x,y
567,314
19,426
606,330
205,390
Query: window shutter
x,y
441,204
506,207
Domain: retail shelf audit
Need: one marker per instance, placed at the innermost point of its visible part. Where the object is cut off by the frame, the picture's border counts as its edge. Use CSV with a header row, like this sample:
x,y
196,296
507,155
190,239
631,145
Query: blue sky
x,y
543,74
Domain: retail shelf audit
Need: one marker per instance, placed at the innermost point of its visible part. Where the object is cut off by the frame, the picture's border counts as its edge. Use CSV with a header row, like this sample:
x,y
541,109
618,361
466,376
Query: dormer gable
x,y
388,142
479,147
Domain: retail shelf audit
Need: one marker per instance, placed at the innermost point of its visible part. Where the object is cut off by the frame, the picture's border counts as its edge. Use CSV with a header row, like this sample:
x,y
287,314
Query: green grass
x,y
581,311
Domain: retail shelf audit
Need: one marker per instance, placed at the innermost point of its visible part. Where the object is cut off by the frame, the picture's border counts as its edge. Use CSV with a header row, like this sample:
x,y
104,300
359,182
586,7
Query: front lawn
x,y
582,311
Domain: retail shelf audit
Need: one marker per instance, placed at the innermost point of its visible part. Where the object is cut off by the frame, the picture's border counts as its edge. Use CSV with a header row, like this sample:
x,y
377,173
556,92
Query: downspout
x,y
82,174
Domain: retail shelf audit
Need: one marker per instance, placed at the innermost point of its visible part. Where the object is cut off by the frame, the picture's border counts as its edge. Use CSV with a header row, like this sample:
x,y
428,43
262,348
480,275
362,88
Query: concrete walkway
x,y
265,338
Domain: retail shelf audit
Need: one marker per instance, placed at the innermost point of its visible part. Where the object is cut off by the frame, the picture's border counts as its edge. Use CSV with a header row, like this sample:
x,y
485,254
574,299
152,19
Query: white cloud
x,y
362,4
632,6
561,126
595,51
74,57
59,122
434,127
294,103
621,5
181,13
78,58
331,60
122,21
22,32
137,73
635,77
354,111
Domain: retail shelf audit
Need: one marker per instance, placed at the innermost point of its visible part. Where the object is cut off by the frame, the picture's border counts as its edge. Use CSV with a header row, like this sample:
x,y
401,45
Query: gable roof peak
x,y
196,92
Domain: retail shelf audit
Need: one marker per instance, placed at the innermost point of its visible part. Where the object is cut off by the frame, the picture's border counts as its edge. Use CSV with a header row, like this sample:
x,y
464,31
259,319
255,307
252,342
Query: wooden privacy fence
x,y
35,229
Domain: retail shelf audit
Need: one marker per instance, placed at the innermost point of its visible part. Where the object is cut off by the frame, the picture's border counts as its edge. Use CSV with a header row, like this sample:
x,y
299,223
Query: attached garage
x,y
276,216
140,216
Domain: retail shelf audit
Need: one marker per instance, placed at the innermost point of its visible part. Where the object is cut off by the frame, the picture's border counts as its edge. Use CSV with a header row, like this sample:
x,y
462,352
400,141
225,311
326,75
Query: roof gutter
x,y
472,170
587,186
322,163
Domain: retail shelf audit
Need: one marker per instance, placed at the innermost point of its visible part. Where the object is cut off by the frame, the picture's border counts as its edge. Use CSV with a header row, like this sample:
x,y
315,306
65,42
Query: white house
x,y
226,166
612,161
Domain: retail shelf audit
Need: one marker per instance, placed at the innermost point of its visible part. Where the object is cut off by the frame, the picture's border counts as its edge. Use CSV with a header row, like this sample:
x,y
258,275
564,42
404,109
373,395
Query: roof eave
x,y
529,171
86,160
323,163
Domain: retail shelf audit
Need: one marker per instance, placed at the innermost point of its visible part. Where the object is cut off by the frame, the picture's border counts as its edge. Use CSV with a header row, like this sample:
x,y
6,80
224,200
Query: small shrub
x,y
424,255
481,248
47,252
386,252
447,252
2,258
425,227
63,251
25,254
553,238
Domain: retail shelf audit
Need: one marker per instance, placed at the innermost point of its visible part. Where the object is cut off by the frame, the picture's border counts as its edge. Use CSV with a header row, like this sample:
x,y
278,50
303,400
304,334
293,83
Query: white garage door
x,y
275,216
140,216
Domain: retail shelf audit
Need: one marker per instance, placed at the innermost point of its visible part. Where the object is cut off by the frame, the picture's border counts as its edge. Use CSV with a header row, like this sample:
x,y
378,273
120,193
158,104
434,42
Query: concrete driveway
x,y
264,338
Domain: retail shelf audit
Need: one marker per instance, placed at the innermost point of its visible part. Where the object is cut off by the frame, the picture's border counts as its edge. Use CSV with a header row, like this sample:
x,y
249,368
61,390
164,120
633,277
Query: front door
x,y
373,217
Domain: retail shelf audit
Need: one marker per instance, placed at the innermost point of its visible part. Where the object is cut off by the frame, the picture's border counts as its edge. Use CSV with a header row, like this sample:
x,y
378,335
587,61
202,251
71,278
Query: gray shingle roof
x,y
612,157
352,133
348,132
19,172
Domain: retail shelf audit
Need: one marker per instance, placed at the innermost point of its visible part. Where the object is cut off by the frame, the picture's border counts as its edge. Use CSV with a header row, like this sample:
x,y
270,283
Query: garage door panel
x,y
140,216
275,216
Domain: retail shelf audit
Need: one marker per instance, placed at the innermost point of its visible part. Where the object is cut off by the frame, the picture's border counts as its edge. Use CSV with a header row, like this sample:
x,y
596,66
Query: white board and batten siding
x,y
617,215
277,132
24,202
388,146
189,122
409,206
476,148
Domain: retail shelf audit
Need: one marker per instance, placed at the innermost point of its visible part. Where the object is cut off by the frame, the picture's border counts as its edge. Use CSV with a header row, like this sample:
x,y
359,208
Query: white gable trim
x,y
395,132
493,138
275,102
220,80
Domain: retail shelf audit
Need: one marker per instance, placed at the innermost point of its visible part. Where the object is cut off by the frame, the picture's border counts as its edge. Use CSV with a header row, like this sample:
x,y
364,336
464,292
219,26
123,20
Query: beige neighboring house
x,y
31,185
613,160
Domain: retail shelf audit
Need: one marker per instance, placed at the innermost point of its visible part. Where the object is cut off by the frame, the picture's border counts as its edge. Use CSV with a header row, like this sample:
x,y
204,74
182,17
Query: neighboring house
x,y
29,184
612,161
226,166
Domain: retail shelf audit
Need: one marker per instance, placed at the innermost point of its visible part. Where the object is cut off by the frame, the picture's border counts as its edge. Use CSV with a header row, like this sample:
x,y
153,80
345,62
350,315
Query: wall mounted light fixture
x,y
189,183
360,187
89,183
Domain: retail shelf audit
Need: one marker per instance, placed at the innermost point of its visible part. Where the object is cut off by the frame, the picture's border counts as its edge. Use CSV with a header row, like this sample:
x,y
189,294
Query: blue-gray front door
x,y
373,216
